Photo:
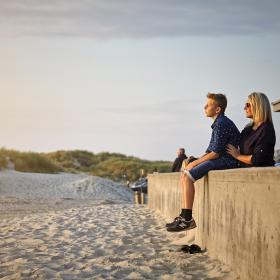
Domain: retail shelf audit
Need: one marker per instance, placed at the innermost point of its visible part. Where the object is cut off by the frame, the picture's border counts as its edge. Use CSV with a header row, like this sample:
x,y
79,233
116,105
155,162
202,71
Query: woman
x,y
258,138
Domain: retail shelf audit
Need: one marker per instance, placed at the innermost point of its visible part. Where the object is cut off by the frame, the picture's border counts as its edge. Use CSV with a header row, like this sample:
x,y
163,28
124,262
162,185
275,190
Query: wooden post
x,y
137,197
142,198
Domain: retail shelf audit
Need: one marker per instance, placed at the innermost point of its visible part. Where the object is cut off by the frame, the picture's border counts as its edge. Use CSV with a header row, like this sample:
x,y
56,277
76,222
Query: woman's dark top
x,y
259,143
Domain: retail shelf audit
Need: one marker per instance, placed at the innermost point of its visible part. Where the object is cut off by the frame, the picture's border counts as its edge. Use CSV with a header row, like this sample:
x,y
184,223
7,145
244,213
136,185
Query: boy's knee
x,y
185,177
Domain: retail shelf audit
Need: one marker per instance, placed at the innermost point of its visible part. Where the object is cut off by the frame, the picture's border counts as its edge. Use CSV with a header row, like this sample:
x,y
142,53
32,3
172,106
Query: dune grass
x,y
114,166
28,161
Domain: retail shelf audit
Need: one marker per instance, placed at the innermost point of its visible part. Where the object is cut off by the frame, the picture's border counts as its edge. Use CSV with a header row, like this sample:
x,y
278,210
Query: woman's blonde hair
x,y
260,107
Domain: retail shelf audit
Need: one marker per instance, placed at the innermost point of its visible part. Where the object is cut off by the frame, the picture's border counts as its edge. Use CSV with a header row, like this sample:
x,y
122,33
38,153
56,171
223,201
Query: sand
x,y
59,227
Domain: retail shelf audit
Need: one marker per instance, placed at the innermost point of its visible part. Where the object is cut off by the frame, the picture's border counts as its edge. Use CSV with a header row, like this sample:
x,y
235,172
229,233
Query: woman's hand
x,y
233,151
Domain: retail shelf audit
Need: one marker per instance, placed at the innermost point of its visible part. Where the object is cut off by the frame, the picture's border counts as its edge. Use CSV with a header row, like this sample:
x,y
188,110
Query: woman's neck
x,y
256,125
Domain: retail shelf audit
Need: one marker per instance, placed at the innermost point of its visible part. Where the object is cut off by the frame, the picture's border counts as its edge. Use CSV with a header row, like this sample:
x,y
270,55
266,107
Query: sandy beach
x,y
69,226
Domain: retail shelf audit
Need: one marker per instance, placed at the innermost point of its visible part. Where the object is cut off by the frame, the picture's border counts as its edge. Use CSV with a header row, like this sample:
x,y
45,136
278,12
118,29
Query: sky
x,y
130,76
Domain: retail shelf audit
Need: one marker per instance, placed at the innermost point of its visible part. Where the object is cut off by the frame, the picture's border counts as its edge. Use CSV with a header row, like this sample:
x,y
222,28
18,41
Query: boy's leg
x,y
185,220
182,179
183,198
188,192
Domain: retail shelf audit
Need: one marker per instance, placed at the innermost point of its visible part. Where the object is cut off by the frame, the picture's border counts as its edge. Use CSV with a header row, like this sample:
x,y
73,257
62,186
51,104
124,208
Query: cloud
x,y
137,18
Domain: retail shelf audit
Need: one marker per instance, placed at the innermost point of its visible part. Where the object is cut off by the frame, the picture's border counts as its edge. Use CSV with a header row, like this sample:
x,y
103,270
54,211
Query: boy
x,y
224,132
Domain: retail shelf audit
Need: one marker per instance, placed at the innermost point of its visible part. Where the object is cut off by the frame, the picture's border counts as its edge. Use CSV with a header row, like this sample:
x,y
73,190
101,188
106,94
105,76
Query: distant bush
x,y
114,166
78,160
3,162
128,169
4,155
33,162
29,161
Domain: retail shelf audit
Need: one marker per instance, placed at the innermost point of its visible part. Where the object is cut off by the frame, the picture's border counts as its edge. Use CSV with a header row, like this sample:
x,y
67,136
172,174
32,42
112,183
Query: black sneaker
x,y
181,225
173,223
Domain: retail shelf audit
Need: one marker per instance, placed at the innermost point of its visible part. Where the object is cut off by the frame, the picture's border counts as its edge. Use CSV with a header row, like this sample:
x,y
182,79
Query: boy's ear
x,y
218,110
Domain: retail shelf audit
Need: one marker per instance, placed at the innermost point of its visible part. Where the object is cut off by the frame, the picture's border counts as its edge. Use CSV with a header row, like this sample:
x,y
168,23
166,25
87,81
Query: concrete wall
x,y
238,216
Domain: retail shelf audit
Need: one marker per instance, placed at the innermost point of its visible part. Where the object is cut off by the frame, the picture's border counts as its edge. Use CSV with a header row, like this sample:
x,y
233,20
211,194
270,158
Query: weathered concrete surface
x,y
238,216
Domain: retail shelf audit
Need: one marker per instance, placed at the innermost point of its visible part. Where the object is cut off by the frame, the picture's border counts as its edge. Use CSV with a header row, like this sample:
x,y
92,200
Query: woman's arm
x,y
247,159
264,147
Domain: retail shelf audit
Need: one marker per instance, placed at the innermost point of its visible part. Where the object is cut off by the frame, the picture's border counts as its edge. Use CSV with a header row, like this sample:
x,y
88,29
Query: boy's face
x,y
211,109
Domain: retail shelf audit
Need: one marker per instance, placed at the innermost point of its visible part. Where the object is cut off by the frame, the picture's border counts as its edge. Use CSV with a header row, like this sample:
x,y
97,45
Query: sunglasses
x,y
247,105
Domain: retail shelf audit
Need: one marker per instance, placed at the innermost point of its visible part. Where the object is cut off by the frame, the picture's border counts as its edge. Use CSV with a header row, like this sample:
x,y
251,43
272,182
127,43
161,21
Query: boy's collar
x,y
217,117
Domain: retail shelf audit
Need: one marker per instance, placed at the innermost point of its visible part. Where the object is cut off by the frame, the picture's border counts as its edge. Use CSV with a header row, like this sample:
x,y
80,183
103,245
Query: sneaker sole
x,y
182,229
168,226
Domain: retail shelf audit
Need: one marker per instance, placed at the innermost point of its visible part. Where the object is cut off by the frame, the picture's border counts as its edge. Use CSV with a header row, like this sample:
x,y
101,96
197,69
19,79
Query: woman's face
x,y
248,109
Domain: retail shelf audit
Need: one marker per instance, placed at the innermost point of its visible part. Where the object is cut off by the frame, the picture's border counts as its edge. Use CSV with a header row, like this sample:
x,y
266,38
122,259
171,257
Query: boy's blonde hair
x,y
220,100
260,107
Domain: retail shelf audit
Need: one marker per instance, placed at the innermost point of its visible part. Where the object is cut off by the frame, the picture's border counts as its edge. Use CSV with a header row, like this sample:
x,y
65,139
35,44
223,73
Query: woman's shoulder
x,y
267,125
264,132
266,128
248,128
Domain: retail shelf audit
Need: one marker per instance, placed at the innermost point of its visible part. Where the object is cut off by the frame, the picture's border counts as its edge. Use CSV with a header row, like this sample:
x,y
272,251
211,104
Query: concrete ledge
x,y
238,216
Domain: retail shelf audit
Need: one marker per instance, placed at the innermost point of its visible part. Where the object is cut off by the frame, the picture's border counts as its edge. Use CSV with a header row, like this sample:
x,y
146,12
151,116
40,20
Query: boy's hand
x,y
192,165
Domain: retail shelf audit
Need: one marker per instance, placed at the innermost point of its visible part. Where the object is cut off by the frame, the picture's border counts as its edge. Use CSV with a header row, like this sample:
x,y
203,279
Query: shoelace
x,y
178,219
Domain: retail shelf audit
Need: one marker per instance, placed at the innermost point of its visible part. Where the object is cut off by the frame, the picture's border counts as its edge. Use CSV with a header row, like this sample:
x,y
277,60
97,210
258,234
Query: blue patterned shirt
x,y
224,132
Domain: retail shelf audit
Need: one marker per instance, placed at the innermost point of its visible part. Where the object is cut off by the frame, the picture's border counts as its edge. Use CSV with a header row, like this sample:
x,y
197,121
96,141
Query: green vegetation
x,y
108,165
28,161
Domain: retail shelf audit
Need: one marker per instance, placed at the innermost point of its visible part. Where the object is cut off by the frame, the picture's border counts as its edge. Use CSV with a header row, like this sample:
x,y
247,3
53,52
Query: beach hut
x,y
276,106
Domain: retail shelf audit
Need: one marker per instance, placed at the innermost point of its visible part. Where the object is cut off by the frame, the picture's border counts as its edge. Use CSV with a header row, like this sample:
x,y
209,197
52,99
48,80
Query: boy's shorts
x,y
202,169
